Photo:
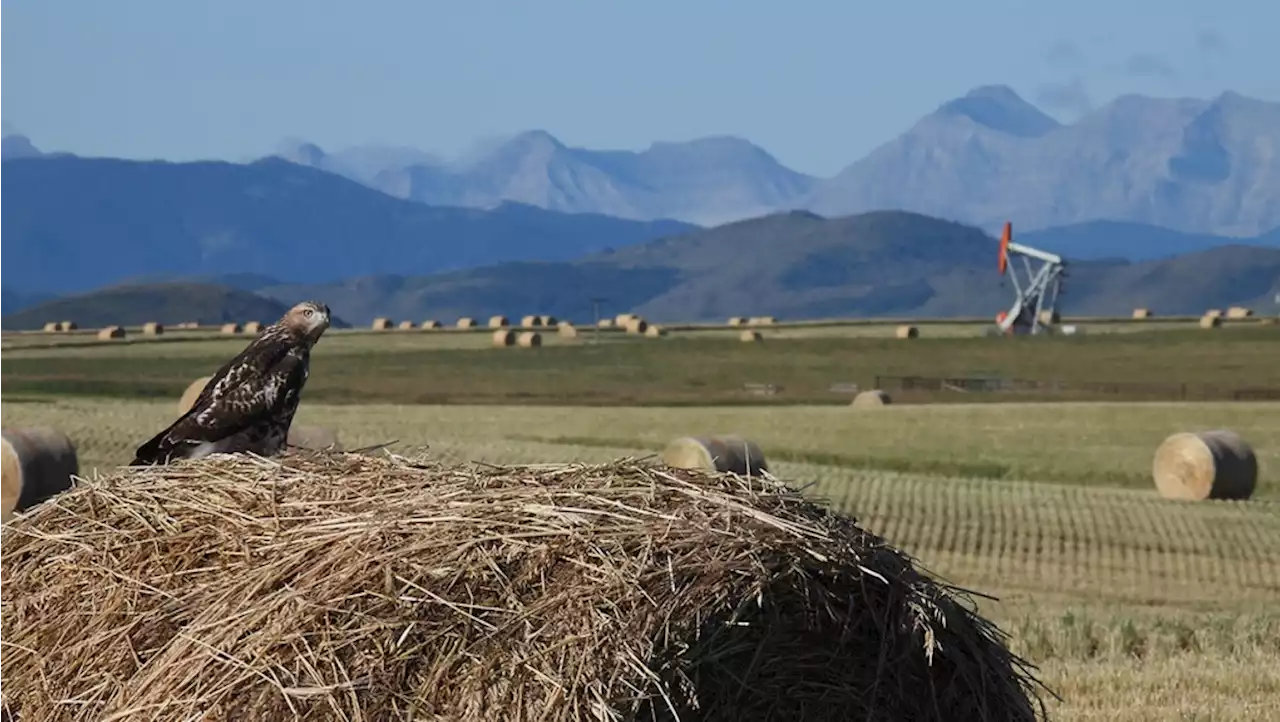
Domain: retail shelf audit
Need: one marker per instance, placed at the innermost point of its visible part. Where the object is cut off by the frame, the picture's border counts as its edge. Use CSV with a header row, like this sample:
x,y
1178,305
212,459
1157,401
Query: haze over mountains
x,y
1191,165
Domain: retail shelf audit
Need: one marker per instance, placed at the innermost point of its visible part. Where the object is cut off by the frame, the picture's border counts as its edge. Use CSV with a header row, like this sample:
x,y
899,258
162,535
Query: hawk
x,y
249,403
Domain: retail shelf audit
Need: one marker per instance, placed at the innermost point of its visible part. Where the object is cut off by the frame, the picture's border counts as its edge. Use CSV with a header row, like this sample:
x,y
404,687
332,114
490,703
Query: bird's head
x,y
308,319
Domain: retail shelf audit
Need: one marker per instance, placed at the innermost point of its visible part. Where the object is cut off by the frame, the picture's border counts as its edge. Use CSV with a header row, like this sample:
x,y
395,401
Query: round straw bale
x,y
504,337
110,332
906,332
637,325
716,453
1049,318
1141,313
253,328
549,321
432,323
763,321
191,394
315,438
1214,464
1208,321
566,330
67,326
531,322
499,322
1214,312
466,322
655,332
1239,312
870,398
622,319
381,323
230,328
50,326
737,321
407,325
37,463
605,323
529,339
750,337
725,598
152,328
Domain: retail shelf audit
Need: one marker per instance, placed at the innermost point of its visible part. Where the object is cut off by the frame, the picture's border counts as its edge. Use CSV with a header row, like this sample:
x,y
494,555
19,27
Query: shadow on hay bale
x,y
347,586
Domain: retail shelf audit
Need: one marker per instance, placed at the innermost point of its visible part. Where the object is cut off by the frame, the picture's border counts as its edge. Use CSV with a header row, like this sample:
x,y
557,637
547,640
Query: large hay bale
x,y
655,332
549,321
605,323
110,332
504,337
1049,318
314,438
566,329
152,328
1215,312
761,321
531,322
737,321
407,325
381,323
36,463
636,326
871,398
750,337
51,327
1207,321
338,586
67,326
906,332
723,453
191,394
1214,464
499,322
253,328
529,339
431,323
623,318
230,328
466,322
1239,312
1142,313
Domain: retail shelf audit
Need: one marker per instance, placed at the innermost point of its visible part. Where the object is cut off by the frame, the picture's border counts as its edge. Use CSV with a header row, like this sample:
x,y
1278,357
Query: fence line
x,y
1132,389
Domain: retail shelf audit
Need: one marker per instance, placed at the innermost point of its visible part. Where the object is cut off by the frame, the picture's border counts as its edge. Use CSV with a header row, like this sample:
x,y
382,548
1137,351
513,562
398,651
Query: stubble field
x,y
1133,607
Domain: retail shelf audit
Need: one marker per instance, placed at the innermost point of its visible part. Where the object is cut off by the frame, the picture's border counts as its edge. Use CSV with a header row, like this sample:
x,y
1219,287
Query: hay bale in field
x,y
152,328
230,328
531,322
549,321
51,327
737,321
1142,313
499,322
466,322
750,337
310,587
253,328
567,330
191,394
504,337
605,323
407,325
1214,464
1049,318
381,323
36,463
1239,312
655,332
761,321
871,398
636,326
1208,321
314,438
723,453
431,323
1213,312
529,339
110,332
906,332
623,318
67,326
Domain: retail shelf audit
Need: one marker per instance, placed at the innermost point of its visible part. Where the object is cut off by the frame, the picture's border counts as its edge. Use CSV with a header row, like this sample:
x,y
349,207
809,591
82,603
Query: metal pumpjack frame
x,y
1037,297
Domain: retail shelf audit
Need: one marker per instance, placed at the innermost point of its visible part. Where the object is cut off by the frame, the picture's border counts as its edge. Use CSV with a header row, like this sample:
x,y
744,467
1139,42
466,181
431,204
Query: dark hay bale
x,y
325,586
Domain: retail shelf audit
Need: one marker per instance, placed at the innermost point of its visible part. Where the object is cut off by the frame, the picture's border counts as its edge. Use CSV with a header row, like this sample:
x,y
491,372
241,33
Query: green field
x,y
1132,606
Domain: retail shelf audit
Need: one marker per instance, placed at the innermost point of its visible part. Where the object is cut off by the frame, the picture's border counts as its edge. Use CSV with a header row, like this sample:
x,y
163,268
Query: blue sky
x,y
816,83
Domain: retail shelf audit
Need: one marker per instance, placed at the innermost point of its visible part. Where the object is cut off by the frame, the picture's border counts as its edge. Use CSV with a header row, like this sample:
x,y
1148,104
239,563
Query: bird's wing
x,y
244,396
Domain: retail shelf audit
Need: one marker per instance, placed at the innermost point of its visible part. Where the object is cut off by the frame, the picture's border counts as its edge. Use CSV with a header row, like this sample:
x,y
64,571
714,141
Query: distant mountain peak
x,y
1000,108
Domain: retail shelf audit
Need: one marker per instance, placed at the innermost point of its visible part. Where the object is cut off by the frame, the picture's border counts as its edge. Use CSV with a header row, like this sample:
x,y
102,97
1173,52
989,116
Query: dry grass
x,y
267,589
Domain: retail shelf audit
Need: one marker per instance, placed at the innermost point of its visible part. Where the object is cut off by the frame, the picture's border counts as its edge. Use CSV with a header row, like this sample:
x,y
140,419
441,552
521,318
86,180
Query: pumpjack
x,y
1034,308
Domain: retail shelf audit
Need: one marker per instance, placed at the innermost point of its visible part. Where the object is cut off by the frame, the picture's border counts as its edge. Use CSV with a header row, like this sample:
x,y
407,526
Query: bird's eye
x,y
310,313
